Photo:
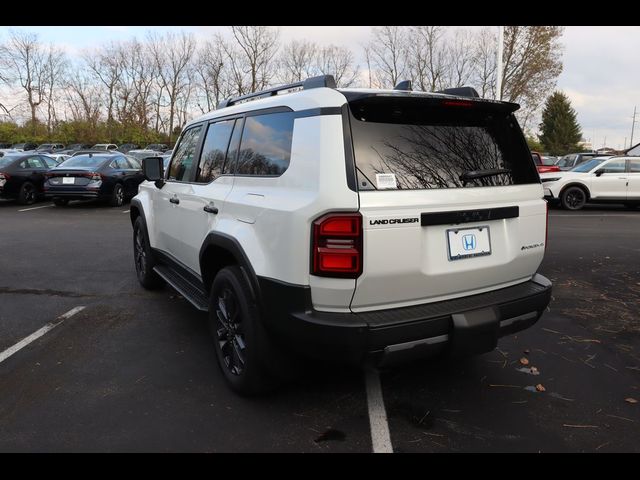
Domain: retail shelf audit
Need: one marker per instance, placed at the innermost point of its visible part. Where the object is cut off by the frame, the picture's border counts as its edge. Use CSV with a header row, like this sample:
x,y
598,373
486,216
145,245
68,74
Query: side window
x,y
50,162
31,163
634,166
234,146
134,163
617,166
182,163
265,148
214,151
120,163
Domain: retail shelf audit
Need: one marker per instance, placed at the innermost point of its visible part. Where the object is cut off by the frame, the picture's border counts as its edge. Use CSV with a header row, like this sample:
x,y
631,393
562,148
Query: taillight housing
x,y
546,232
336,245
3,178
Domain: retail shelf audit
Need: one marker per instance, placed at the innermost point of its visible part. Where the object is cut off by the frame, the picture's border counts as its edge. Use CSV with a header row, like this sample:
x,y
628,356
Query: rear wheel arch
x,y
220,250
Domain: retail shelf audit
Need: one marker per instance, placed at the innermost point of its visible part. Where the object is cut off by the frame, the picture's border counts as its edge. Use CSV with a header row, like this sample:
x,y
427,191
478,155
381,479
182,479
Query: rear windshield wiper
x,y
475,174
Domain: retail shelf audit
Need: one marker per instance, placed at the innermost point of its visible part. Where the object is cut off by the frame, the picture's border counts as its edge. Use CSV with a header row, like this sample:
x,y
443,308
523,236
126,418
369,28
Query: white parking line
x,y
380,437
38,333
125,211
35,208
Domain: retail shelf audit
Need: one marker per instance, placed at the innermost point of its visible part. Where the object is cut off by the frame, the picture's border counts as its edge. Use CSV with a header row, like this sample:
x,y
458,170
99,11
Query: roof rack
x,y
460,92
313,82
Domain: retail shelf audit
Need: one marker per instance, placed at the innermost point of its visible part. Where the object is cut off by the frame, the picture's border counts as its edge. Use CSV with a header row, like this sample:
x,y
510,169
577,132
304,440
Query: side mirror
x,y
153,170
599,172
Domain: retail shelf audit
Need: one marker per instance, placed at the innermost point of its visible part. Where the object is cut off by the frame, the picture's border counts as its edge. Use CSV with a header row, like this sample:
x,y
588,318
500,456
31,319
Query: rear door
x,y
633,190
450,198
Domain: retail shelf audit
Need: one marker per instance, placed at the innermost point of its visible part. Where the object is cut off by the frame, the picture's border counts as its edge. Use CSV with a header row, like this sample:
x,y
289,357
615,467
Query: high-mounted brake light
x,y
456,103
336,249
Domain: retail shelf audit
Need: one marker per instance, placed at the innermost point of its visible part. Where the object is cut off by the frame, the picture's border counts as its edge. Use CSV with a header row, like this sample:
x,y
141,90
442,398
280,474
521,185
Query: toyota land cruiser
x,y
350,225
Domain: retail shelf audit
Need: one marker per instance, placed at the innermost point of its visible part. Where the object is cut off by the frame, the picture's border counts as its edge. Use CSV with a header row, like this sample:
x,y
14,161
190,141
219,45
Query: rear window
x,y
83,161
418,144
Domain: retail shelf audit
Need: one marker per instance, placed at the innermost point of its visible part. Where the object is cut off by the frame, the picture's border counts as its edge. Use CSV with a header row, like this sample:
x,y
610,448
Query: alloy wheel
x,y
229,332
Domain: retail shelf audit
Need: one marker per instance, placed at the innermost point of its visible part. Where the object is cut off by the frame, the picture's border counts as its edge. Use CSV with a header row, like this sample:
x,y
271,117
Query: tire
x,y
60,202
27,194
573,198
143,257
246,356
117,196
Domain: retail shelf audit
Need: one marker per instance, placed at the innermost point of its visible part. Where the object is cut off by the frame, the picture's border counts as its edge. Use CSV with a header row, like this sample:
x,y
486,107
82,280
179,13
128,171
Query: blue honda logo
x,y
469,242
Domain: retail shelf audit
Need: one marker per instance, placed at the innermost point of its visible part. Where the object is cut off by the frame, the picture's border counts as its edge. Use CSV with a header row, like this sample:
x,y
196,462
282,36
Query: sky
x,y
600,75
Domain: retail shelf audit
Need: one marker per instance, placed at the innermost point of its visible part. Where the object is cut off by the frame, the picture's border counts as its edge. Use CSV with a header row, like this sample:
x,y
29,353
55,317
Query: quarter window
x,y
265,148
634,166
214,151
183,164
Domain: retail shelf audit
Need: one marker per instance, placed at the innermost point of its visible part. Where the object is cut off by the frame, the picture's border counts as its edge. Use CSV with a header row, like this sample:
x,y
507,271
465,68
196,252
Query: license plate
x,y
468,242
68,180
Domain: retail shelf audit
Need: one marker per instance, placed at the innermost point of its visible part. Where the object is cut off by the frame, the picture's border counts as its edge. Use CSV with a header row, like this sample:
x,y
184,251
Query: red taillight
x,y
4,176
336,249
456,103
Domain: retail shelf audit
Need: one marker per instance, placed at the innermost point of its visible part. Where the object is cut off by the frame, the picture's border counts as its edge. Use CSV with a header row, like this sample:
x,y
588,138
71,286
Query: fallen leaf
x,y
631,400
534,370
524,361
527,351
540,388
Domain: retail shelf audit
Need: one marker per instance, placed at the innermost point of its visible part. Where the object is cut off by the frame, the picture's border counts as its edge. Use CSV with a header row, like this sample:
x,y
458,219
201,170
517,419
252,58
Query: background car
x,y
22,176
105,146
126,147
50,148
540,166
4,146
25,147
74,147
159,147
104,176
599,180
141,154
571,160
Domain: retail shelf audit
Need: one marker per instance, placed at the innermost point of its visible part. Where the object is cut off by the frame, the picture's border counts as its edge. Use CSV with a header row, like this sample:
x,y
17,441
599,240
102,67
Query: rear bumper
x,y
72,194
462,326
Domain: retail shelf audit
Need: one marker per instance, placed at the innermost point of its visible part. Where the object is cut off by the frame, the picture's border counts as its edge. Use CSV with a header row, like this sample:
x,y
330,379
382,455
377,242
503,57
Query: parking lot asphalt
x,y
136,371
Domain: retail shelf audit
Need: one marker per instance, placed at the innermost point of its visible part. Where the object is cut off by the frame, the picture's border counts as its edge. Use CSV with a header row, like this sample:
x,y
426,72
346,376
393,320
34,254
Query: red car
x,y
537,159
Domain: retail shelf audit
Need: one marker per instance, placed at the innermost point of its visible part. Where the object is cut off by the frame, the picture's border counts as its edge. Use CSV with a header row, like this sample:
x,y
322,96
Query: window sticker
x,y
385,181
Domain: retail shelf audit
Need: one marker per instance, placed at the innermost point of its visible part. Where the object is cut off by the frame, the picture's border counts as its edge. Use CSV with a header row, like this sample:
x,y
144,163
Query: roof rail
x,y
313,82
404,85
460,92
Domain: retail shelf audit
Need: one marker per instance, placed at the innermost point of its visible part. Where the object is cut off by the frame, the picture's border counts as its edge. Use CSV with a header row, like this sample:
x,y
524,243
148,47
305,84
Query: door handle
x,y
211,208
175,200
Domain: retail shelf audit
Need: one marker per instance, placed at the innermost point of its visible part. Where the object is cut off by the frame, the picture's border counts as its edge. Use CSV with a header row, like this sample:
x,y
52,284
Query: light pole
x,y
499,63
633,124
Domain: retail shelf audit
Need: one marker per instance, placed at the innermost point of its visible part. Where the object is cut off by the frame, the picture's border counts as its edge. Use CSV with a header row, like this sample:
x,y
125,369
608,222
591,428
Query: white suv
x,y
349,225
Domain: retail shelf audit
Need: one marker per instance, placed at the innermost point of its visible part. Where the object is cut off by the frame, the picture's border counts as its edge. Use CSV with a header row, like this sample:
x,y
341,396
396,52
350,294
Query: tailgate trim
x,y
469,216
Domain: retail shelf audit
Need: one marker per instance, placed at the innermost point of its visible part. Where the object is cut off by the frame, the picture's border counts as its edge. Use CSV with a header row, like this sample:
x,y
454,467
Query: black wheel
x,y
143,257
117,197
248,359
632,206
28,194
573,198
60,202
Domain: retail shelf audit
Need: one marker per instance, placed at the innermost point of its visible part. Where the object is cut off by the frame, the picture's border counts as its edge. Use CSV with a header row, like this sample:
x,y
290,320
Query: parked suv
x,y
348,225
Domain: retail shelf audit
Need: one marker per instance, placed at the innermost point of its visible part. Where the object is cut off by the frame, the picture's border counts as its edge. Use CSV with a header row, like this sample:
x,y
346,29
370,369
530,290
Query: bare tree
x,y
254,68
387,52
173,55
83,98
55,66
296,61
339,62
427,57
105,65
461,59
25,61
484,63
210,75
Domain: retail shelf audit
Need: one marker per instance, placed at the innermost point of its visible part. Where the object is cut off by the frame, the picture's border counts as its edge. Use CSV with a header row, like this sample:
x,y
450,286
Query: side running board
x,y
187,288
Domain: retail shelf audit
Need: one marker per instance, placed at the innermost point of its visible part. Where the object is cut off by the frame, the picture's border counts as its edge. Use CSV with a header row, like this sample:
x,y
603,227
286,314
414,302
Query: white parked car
x,y
348,225
599,180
